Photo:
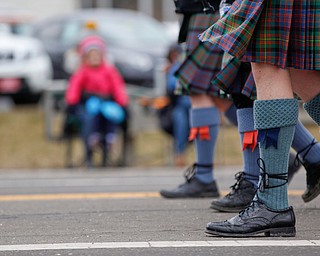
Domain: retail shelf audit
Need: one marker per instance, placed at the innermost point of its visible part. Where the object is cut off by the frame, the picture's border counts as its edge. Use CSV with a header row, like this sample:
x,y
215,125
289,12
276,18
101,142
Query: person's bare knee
x,y
305,83
222,104
271,82
201,101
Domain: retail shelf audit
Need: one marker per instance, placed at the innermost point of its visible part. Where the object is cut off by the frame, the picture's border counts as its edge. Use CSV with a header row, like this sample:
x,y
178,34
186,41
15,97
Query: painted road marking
x,y
159,244
117,195
109,195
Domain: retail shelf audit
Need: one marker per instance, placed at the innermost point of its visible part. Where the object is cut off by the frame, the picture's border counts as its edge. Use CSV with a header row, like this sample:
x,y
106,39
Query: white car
x,y
25,67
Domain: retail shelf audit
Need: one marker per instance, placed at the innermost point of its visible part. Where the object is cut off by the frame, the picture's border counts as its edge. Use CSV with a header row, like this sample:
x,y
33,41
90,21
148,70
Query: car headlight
x,y
138,61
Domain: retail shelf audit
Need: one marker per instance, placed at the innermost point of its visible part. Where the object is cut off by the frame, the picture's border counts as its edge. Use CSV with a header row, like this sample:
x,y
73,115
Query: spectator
x,y
96,94
181,106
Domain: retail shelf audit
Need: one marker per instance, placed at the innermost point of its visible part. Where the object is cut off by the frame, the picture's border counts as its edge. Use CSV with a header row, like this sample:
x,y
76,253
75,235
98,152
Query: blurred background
x,y
37,57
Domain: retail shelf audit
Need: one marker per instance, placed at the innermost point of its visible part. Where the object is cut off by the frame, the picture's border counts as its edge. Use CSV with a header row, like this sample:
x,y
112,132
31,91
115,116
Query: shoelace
x,y
265,177
239,177
297,160
191,171
250,208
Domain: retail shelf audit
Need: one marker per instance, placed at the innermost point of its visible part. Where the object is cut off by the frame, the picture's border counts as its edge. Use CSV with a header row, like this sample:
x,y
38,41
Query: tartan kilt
x,y
284,33
288,35
202,61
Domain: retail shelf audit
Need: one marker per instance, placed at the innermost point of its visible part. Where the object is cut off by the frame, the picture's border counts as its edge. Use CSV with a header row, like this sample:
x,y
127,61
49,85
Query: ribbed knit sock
x,y
306,145
313,108
207,122
250,153
275,121
231,115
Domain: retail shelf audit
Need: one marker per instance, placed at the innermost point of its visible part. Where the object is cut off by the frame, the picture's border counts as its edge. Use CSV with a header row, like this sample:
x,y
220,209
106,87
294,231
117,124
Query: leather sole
x,y
269,232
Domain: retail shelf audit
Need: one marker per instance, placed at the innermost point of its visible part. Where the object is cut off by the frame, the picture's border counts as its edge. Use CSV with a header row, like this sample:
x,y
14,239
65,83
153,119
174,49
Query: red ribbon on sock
x,y
250,140
203,131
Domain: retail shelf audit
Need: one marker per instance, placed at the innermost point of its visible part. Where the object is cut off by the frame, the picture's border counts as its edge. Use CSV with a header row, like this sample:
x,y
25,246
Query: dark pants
x,y
94,128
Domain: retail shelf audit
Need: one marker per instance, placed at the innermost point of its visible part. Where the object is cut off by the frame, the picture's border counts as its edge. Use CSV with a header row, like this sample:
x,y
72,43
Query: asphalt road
x,y
119,212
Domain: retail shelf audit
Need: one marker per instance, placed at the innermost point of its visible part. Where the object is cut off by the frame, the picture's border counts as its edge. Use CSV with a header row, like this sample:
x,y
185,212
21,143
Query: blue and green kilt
x,y
284,33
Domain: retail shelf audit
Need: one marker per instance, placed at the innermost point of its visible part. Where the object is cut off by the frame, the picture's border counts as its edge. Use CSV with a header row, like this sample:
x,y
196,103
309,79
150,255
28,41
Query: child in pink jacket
x,y
97,95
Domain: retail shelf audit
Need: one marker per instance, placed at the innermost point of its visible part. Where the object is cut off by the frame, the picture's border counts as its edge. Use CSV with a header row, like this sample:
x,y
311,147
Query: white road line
x,y
159,244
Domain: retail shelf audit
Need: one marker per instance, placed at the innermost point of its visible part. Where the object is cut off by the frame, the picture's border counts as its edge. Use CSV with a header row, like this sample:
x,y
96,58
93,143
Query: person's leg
x,y
306,146
180,118
108,138
204,120
313,108
88,129
246,184
231,115
275,116
204,131
306,85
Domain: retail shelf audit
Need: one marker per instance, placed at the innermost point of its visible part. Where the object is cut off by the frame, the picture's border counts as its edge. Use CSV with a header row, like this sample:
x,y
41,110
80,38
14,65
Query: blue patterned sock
x,y
306,145
207,118
313,108
249,155
275,121
231,115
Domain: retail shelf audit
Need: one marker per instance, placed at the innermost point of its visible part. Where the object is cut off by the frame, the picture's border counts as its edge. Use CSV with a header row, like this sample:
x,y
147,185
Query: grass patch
x,y
23,144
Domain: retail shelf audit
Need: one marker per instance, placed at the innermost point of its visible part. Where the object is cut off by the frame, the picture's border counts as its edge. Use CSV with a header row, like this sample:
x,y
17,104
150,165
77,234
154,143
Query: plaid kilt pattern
x,y
288,35
232,33
198,23
202,62
284,33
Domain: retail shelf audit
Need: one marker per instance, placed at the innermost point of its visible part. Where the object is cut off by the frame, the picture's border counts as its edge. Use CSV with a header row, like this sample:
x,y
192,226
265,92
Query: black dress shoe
x,y
256,219
313,182
192,187
240,197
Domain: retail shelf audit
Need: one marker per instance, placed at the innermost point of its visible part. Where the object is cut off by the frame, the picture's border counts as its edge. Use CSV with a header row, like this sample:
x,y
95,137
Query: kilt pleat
x,y
203,61
284,33
196,73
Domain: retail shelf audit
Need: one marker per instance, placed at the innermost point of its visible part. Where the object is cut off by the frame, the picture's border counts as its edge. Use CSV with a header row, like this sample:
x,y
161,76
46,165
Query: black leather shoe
x,y
240,197
294,166
313,182
191,189
256,219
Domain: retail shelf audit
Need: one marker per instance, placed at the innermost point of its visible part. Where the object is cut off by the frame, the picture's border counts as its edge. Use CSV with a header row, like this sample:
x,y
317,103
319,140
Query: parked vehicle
x,y
134,40
25,67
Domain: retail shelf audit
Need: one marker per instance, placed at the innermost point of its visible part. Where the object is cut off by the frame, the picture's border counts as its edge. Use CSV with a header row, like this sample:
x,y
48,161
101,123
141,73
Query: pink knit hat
x,y
91,42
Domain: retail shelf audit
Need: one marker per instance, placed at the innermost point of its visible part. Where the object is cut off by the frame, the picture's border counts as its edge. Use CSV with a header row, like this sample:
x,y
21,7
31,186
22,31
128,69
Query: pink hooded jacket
x,y
103,80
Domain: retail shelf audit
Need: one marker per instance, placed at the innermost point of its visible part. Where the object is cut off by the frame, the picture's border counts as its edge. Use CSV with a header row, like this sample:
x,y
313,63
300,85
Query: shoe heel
x,y
281,232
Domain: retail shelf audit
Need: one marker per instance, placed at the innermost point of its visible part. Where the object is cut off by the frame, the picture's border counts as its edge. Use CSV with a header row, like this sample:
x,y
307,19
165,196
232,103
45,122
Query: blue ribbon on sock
x,y
270,136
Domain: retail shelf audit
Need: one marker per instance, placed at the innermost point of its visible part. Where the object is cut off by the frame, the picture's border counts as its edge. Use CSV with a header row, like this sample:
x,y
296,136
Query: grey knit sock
x,y
313,108
275,121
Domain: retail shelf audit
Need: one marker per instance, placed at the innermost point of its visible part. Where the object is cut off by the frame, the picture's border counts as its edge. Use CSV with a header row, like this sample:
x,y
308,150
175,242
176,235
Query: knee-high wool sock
x,y
250,153
313,108
306,145
204,123
275,121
